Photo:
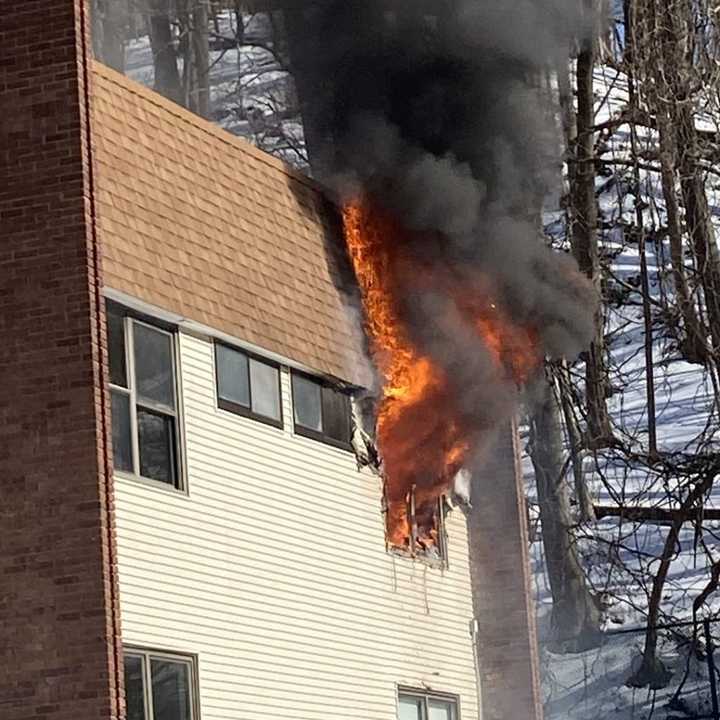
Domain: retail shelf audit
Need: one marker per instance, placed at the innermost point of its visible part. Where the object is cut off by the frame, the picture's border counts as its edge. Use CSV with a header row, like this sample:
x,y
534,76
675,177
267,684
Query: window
x,y
160,686
321,411
247,385
421,705
417,526
145,429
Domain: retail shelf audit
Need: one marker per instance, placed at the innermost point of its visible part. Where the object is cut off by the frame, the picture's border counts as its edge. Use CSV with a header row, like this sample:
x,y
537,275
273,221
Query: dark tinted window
x,y
121,432
116,347
336,414
159,687
156,440
154,365
170,690
143,398
320,410
134,688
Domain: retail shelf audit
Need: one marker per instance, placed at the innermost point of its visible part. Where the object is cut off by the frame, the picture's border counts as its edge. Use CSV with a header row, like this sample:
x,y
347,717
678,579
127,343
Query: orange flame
x,y
421,438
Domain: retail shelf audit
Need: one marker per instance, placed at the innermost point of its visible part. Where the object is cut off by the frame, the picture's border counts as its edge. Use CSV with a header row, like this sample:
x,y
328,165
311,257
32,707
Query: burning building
x,y
194,523
430,123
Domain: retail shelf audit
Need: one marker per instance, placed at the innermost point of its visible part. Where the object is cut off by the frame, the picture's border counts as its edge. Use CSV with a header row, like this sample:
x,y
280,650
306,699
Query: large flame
x,y
421,436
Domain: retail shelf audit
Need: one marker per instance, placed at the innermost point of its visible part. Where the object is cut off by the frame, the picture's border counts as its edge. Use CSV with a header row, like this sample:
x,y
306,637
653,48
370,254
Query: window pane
x,y
134,688
306,400
440,710
156,437
410,708
154,365
232,375
265,385
116,347
122,444
170,690
336,414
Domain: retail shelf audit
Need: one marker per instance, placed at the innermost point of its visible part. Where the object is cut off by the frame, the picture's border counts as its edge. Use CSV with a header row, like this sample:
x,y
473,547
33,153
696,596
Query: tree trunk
x,y
652,672
200,93
675,20
109,19
585,246
586,510
575,615
167,77
697,215
692,340
311,87
644,274
195,52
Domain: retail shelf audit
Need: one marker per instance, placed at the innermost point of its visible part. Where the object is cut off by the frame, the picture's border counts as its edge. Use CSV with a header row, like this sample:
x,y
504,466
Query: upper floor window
x,y
416,527
143,388
421,705
321,411
247,385
160,686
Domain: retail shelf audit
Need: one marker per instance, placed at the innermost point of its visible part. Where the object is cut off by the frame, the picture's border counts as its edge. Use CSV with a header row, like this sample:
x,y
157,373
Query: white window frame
x,y
129,321
426,695
147,655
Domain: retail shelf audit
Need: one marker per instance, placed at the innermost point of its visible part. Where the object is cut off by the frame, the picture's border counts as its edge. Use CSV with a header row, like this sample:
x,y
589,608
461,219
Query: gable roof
x,y
200,223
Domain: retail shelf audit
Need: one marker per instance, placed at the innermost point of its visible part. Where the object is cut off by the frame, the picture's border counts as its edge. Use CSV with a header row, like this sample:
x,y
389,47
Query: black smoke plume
x,y
439,112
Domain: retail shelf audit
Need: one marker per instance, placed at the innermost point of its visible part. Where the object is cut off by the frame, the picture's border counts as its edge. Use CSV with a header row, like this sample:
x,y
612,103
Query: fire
x,y
421,436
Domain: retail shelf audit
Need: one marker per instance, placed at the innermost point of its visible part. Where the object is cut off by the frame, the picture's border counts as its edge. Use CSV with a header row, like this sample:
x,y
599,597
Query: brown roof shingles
x,y
202,224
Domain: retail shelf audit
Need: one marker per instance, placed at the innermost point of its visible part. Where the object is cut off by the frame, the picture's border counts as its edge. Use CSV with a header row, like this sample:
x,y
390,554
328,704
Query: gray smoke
x,y
435,110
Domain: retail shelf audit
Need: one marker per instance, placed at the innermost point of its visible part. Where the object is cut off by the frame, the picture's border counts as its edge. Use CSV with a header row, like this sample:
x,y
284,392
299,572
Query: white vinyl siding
x,y
273,571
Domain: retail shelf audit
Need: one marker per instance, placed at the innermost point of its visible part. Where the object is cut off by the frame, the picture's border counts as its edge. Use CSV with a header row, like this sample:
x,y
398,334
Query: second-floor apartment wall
x,y
270,566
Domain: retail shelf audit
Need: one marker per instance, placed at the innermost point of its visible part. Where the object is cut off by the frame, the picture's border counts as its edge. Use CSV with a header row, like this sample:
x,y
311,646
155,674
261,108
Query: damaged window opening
x,y
248,385
143,398
417,528
321,411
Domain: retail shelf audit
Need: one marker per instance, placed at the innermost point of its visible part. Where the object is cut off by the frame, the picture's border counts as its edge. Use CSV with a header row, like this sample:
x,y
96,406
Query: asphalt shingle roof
x,y
203,224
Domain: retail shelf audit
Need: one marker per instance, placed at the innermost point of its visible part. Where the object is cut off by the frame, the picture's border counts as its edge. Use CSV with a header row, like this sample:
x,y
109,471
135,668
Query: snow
x,y
622,557
248,87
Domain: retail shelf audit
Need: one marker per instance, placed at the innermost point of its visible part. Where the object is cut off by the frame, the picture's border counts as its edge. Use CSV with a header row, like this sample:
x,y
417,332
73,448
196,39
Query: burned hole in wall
x,y
449,358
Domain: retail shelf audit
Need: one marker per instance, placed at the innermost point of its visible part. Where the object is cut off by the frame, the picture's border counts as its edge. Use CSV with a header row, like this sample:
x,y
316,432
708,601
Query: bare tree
x,y
164,49
575,614
109,27
194,47
583,216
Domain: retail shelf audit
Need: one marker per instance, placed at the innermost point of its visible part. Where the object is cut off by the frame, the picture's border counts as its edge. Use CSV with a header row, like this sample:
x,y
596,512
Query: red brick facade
x,y
506,638
59,629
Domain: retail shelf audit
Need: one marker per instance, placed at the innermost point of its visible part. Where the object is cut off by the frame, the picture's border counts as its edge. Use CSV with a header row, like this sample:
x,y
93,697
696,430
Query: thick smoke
x,y
436,111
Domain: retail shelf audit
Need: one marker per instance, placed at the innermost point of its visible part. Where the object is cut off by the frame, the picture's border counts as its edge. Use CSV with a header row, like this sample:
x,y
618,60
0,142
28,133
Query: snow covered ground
x,y
248,86
622,557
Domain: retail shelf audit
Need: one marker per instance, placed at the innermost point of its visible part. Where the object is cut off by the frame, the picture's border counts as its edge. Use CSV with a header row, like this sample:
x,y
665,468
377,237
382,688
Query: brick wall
x,y
502,599
59,636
